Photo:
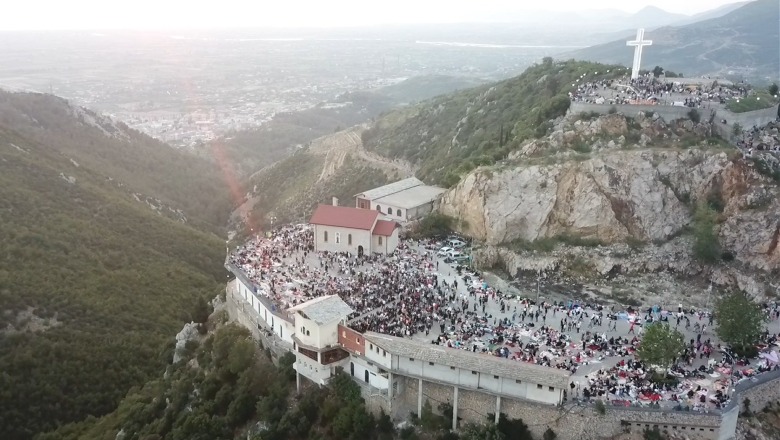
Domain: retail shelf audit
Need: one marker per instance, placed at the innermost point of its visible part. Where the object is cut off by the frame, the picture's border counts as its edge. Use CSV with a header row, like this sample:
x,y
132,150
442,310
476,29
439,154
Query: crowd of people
x,y
412,293
764,138
648,90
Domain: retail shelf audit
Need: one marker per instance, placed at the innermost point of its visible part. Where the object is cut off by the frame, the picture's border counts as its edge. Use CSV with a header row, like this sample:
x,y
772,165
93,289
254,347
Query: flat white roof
x,y
324,310
412,197
390,188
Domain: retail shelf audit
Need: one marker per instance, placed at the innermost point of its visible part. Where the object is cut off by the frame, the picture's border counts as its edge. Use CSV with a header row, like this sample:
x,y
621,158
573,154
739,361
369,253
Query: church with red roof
x,y
353,230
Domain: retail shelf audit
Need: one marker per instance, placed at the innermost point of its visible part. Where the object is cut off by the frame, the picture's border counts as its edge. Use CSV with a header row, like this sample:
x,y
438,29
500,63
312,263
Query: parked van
x,y
456,243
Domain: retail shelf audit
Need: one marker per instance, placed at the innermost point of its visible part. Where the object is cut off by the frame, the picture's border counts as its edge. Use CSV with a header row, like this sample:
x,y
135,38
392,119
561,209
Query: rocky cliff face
x,y
615,180
609,197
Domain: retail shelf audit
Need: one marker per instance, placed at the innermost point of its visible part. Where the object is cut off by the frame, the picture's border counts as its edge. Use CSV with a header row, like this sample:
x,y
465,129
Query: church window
x,y
378,208
389,211
398,212
380,239
349,239
325,238
338,237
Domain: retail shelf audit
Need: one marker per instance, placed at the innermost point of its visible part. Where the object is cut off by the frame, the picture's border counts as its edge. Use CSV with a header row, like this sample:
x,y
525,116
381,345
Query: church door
x,y
360,251
352,369
366,376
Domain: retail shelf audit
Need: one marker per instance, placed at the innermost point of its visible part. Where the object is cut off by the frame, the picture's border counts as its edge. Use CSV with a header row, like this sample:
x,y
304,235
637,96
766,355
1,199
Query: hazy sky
x,y
161,14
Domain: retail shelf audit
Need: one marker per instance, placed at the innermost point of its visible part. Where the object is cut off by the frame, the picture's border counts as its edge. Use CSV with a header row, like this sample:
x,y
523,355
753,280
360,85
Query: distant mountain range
x,y
742,42
607,21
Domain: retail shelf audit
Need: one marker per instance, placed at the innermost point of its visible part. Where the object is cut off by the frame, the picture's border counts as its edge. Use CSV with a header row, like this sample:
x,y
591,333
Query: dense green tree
x,y
705,242
201,310
740,322
435,225
487,431
514,429
660,345
772,89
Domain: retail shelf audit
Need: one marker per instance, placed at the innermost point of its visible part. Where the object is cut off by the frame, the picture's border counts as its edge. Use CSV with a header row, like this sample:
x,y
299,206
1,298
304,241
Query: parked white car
x,y
445,251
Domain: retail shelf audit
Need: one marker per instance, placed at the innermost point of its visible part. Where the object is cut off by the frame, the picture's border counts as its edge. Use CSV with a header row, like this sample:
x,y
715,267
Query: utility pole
x,y
538,282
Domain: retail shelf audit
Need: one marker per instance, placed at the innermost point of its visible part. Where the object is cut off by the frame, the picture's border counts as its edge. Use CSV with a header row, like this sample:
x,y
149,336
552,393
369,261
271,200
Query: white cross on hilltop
x,y
638,43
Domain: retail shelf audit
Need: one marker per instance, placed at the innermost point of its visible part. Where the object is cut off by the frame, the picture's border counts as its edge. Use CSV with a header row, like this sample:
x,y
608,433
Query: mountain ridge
x,y
741,42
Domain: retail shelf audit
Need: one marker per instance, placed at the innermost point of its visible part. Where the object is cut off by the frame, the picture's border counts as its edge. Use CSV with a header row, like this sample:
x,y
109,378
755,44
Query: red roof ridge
x,y
384,228
344,217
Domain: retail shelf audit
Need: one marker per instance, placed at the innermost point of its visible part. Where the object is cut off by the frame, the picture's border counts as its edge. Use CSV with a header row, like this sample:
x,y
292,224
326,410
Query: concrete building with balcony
x,y
316,341
388,363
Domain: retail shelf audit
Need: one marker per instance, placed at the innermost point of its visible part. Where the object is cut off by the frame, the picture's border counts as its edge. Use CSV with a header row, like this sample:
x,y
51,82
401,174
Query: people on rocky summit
x,y
407,294
648,90
764,138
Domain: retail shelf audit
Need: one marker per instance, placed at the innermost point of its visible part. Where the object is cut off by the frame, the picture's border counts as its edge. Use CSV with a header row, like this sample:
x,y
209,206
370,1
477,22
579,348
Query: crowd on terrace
x,y
649,90
764,138
413,293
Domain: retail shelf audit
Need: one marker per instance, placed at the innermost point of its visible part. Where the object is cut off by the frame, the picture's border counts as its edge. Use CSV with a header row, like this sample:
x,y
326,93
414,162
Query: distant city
x,y
189,90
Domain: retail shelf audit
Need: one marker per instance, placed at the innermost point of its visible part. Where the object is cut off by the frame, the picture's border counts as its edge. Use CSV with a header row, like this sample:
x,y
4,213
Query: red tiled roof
x,y
384,228
344,217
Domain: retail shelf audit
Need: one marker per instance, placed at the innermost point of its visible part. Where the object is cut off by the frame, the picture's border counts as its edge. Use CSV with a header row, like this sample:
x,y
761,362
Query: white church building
x,y
353,230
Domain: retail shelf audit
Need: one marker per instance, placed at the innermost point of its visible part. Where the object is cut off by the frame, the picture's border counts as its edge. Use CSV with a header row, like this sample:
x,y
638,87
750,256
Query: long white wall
x,y
281,328
360,369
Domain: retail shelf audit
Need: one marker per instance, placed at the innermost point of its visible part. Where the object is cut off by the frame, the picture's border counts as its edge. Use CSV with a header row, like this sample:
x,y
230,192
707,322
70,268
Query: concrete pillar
x,y
297,382
498,407
419,398
390,387
455,409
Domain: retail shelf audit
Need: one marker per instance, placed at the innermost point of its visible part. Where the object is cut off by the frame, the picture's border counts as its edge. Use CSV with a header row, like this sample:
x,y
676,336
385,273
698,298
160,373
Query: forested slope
x,y
92,280
452,134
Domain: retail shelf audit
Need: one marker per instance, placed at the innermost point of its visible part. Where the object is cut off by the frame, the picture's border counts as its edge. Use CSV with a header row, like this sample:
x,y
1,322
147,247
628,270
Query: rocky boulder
x,y
188,333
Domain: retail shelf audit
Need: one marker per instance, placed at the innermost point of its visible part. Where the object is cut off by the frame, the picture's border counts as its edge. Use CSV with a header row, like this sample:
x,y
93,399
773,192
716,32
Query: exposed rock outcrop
x,y
188,333
587,181
641,194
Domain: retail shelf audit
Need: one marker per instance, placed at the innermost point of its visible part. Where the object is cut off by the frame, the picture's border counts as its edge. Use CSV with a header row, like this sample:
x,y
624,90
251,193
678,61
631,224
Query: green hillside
x,y
452,134
93,282
286,133
744,41
133,161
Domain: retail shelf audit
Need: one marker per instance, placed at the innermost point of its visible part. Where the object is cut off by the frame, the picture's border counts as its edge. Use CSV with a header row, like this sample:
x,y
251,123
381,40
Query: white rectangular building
x,y
405,200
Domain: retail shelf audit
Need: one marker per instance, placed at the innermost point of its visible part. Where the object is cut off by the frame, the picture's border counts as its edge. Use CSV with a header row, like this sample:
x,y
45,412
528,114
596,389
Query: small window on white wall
x,y
338,237
398,212
380,239
325,236
389,210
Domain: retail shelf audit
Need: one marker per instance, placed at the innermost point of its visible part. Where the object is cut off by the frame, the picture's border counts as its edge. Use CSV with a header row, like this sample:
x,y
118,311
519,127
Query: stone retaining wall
x,y
671,112
575,421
